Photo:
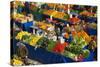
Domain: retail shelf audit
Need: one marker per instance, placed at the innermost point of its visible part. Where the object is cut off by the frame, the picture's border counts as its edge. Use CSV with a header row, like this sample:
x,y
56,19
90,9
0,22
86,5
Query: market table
x,y
58,19
43,55
47,57
56,14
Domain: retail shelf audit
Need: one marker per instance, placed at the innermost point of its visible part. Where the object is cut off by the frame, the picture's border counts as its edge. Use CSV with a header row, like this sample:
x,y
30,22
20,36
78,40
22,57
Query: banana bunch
x,y
17,62
21,34
34,40
18,16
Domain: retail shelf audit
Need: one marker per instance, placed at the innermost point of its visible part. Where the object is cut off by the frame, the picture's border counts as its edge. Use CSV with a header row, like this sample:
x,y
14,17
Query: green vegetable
x,y
42,40
51,45
86,53
66,17
25,38
76,49
69,54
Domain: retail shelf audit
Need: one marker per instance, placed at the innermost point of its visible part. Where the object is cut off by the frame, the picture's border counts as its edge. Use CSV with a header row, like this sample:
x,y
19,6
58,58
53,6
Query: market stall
x,y
56,33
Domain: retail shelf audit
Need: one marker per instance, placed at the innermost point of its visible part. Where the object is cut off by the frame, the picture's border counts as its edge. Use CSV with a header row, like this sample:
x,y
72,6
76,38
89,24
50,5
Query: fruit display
x,y
33,7
17,16
86,53
22,18
86,13
56,33
60,15
46,43
57,14
84,35
34,40
51,45
44,25
74,20
52,5
59,47
57,6
61,6
92,45
17,62
69,54
21,34
49,12
42,40
28,38
75,48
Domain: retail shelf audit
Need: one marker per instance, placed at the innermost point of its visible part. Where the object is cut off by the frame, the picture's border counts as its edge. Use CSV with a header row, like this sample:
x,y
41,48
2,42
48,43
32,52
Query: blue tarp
x,y
25,26
43,55
46,57
90,57
91,31
88,19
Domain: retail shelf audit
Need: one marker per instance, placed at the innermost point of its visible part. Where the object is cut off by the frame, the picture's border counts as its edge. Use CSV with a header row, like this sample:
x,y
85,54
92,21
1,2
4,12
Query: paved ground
x,y
33,62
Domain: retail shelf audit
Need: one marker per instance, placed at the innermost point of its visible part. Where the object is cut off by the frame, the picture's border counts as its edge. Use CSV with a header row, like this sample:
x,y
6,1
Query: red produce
x,y
59,48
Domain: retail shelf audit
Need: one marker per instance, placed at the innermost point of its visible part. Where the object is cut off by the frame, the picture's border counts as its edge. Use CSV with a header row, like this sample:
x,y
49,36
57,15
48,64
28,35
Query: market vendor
x,y
74,19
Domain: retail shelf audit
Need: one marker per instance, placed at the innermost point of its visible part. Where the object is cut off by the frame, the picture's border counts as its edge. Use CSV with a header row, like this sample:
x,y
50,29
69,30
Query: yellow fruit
x,y
17,62
85,36
34,40
20,35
